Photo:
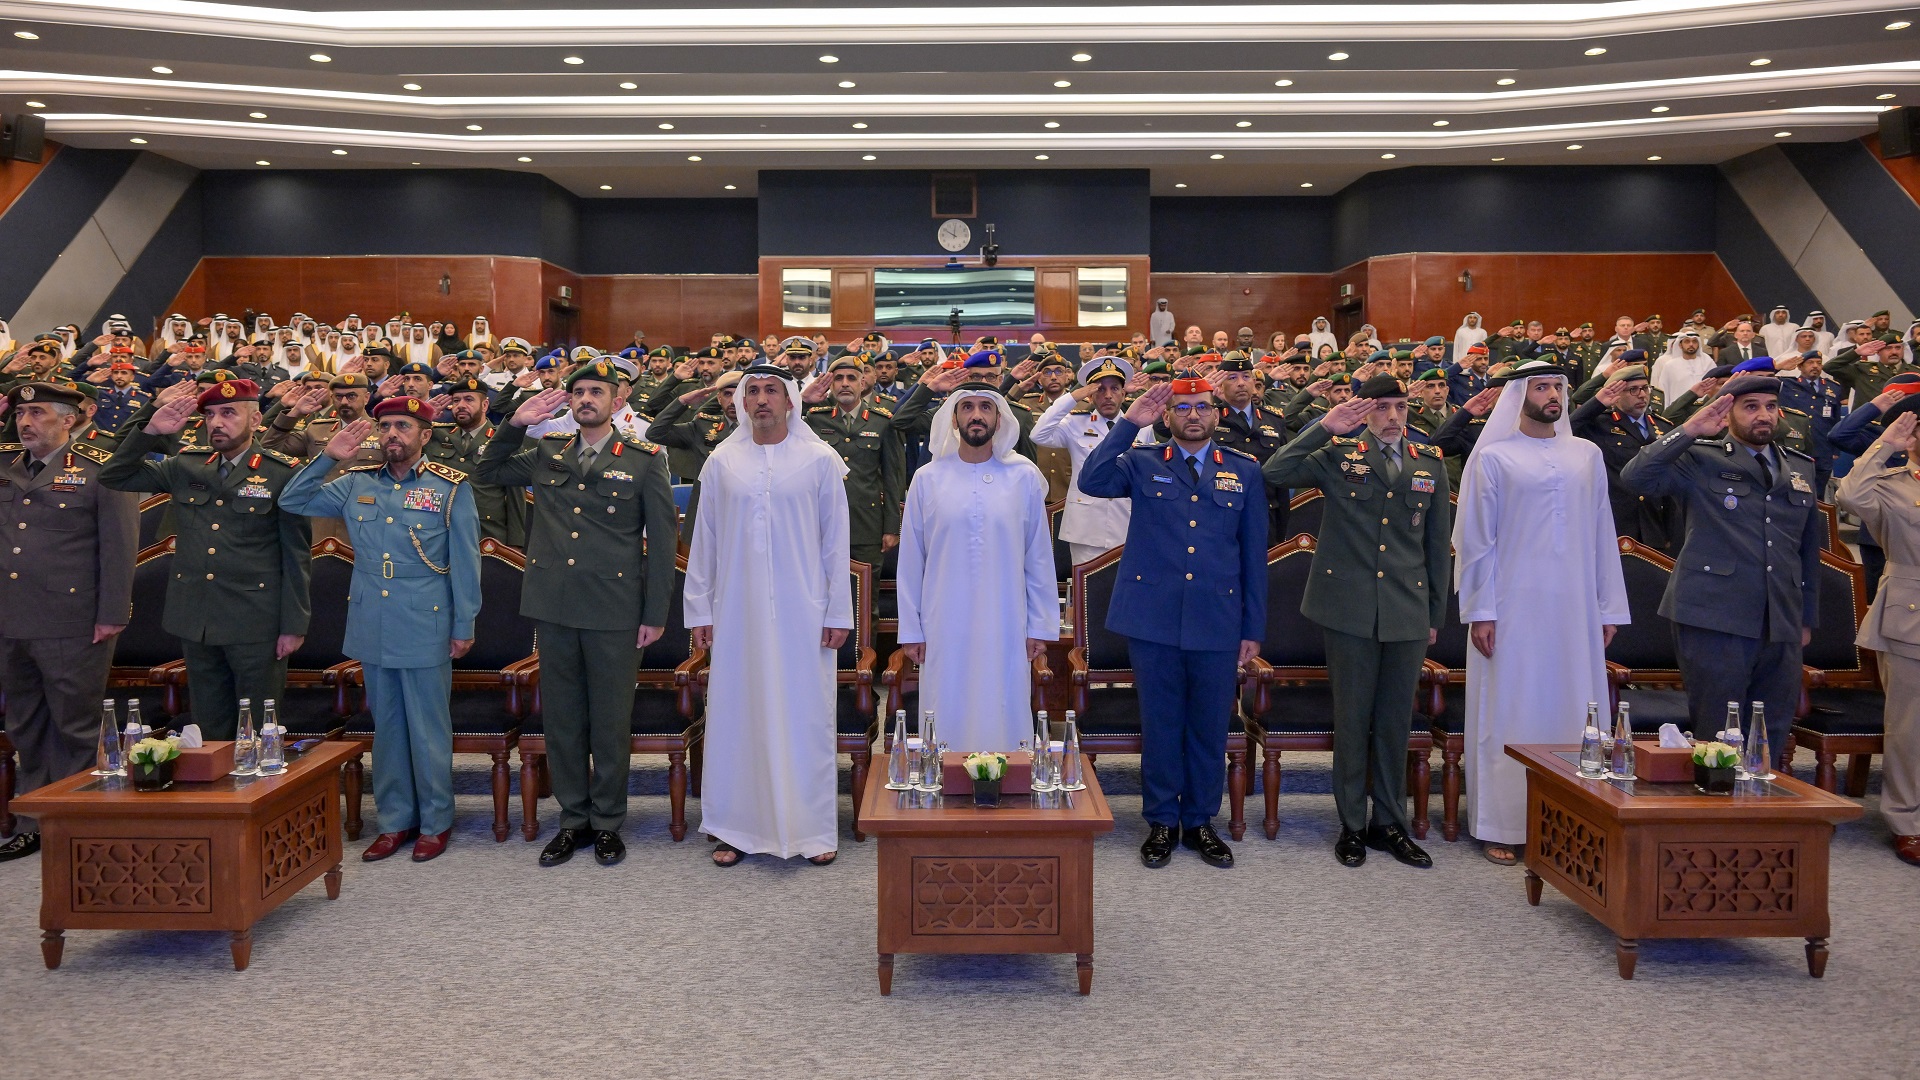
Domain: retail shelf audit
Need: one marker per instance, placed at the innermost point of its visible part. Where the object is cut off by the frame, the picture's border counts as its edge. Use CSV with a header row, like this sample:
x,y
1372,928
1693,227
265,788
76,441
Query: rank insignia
x,y
424,498
256,479
70,478
1799,483
368,500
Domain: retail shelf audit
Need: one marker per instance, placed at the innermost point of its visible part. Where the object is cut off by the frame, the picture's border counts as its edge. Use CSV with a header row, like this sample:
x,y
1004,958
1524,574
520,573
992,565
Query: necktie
x,y
226,467
1193,469
34,467
586,458
1393,463
1766,471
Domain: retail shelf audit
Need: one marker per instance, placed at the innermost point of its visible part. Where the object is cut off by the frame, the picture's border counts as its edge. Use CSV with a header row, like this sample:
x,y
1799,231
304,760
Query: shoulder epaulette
x,y
880,410
558,435
90,452
284,459
819,409
1796,412
1342,440
1084,410
375,467
1242,453
446,472
191,448
5,447
1794,452
446,424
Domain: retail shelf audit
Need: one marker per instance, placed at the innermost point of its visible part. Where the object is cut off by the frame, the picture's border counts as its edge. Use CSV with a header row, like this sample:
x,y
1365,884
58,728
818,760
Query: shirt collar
x,y
413,472
601,446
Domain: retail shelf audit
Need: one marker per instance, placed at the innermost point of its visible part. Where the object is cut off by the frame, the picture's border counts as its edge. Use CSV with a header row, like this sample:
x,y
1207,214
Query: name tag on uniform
x,y
1226,482
1423,484
424,499
1163,479
368,500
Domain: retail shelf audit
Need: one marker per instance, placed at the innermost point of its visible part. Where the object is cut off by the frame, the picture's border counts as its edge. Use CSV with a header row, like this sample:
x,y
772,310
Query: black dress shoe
x,y
1214,850
1394,841
608,848
560,848
21,846
1158,850
1350,849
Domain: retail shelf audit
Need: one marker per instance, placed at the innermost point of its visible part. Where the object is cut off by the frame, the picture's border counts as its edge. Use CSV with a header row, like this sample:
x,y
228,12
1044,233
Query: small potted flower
x,y
1713,764
150,763
987,770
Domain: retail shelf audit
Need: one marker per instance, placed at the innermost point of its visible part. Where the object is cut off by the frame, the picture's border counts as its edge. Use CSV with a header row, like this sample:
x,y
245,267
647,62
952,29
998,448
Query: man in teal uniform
x,y
410,610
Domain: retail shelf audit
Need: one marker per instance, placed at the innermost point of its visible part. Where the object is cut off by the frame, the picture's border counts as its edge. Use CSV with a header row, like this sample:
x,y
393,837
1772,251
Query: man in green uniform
x,y
876,459
238,597
459,441
600,546
298,431
1313,400
1587,353
1649,338
1378,589
1865,363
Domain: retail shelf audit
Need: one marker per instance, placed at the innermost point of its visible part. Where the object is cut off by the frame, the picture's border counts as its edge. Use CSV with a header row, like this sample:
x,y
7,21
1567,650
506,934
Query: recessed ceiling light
x,y
693,157
263,161
629,86
1781,134
1307,185
26,35
413,163
1573,146
1498,159
1062,83
1761,62
1179,185
606,187
523,160
730,187
1901,25
847,84
339,153
1596,51
1881,97
1040,157
137,141
1388,157
1653,157
1337,56
868,157
1056,123
1283,82
1504,82
410,86
1244,123
320,58
1081,58
1217,157
829,59
42,104
666,127
258,115
573,59
1442,123
158,70
1660,108
860,125
475,127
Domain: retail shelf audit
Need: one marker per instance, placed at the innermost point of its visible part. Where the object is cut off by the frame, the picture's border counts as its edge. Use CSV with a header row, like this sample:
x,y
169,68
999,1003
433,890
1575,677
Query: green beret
x,y
600,370
1430,375
1154,367
352,380
846,362
1627,374
468,385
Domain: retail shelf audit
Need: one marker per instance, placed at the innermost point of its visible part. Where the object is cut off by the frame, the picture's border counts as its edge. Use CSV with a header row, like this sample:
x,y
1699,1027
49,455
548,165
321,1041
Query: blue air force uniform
x,y
1192,586
416,588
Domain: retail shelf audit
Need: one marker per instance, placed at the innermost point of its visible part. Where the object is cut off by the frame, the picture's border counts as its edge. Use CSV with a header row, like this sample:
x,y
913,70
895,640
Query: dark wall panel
x,y
669,236
328,212
1525,209
50,213
1877,212
162,268
559,226
1749,254
1254,235
1037,212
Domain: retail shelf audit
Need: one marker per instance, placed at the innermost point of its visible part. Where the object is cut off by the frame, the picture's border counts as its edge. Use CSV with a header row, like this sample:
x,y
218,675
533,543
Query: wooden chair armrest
x,y
690,668
1811,678
1618,675
522,678
1042,678
863,681
1077,666
171,673
344,677
1433,684
895,673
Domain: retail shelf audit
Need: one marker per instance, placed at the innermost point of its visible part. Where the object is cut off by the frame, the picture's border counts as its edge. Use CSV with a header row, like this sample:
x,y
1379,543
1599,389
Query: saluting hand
x,y
168,419
1900,432
816,391
539,408
1710,419
347,440
1481,403
1348,416
1610,393
1149,407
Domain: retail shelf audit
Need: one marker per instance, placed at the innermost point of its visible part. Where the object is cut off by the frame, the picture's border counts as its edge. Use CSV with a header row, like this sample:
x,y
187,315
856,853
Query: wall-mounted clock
x,y
955,235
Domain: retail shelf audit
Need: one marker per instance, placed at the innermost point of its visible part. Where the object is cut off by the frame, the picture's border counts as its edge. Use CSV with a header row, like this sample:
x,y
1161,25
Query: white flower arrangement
x,y
986,766
149,752
1715,755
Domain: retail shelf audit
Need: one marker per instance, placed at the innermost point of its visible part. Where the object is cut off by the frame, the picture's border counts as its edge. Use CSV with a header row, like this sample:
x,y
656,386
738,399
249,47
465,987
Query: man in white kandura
x,y
768,595
1534,557
974,514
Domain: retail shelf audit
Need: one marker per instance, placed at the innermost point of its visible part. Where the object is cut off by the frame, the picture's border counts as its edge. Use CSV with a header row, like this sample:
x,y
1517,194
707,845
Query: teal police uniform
x,y
416,588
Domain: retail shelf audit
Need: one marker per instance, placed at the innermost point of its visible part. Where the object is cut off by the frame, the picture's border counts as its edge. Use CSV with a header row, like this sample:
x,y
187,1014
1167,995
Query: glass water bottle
x,y
1759,755
1623,745
133,732
1043,779
898,771
1730,734
111,761
1593,760
273,743
1071,776
246,744
931,770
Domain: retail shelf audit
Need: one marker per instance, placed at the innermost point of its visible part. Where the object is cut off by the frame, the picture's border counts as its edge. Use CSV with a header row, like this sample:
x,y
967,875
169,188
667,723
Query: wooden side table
x,y
1017,878
213,856
1662,861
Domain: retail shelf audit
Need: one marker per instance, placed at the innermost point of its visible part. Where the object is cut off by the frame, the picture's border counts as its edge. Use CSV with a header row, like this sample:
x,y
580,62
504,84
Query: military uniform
x,y
1746,579
1823,402
1379,584
1587,356
694,435
240,569
503,510
304,439
1260,438
1192,585
114,406
416,588
876,478
600,560
1867,376
66,566
1653,520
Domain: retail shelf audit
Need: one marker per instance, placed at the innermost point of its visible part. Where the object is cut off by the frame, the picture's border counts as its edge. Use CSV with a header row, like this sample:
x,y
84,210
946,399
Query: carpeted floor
x,y
481,964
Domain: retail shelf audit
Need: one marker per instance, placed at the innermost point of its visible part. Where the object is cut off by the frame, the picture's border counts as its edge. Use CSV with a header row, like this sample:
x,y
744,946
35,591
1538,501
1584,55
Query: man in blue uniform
x,y
410,610
1191,601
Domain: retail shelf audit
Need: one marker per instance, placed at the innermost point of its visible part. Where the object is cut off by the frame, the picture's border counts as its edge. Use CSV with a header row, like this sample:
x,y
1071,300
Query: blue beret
x,y
1436,340
1810,354
1378,356
1758,363
417,368
1633,356
632,352
983,358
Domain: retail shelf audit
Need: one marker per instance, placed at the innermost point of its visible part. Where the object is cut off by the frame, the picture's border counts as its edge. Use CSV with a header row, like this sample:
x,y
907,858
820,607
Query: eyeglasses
x,y
1190,408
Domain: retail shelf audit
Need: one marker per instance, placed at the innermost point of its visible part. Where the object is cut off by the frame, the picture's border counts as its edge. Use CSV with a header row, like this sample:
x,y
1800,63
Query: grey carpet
x,y
481,964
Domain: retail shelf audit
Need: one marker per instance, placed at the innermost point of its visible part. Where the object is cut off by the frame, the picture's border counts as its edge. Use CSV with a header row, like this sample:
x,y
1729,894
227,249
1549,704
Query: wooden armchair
x,y
146,659
1845,707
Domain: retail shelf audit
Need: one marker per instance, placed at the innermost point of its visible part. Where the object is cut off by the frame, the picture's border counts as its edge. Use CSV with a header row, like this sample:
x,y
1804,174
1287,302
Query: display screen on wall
x,y
927,295
806,297
1103,295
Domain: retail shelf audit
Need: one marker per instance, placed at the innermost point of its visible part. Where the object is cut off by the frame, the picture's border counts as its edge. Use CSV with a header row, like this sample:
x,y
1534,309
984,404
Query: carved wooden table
x,y
1017,878
1662,861
213,856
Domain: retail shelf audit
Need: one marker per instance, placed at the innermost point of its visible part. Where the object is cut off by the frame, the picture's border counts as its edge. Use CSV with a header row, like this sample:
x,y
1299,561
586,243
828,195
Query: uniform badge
x,y
424,498
1416,519
1799,483
868,435
1730,502
368,500
254,491
1227,482
615,474
1423,484
1163,479
70,479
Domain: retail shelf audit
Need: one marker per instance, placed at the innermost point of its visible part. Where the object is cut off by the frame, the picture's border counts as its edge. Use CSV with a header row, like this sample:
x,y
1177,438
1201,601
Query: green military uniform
x,y
1304,408
694,434
1379,584
240,568
600,563
307,436
1587,354
1653,342
1429,421
876,472
1867,376
503,510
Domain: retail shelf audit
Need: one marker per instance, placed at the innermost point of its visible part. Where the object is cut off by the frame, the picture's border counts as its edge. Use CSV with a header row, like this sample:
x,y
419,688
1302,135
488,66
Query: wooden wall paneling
x,y
16,175
333,288
852,298
1390,296
269,284
720,303
615,306
469,289
1562,289
560,318
191,299
1056,296
1269,302
1202,300
517,310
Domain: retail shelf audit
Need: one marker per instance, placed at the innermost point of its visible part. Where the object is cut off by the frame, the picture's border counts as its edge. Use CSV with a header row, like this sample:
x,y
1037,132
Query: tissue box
x,y
1658,764
1017,781
211,761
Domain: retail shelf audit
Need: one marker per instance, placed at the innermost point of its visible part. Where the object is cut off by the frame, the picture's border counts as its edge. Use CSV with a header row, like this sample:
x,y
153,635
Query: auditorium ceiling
x,y
694,99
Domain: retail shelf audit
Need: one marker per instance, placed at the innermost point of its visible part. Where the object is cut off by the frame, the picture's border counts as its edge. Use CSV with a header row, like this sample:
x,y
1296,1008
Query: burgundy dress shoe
x,y
1908,849
386,844
430,845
